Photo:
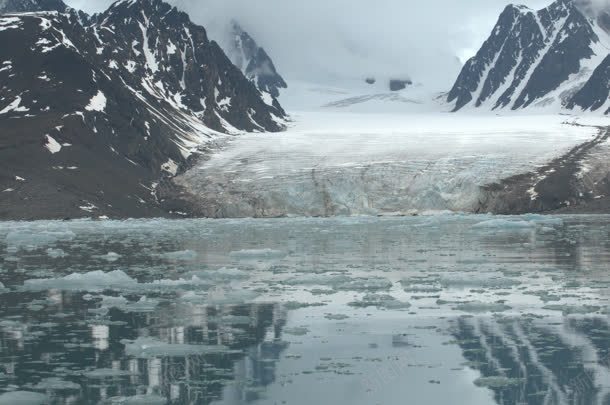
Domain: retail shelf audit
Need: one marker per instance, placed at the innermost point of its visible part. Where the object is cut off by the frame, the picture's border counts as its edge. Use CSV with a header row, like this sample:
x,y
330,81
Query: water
x,y
355,310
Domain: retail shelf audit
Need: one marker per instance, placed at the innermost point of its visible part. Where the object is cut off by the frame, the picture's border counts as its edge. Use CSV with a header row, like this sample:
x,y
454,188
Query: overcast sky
x,y
326,40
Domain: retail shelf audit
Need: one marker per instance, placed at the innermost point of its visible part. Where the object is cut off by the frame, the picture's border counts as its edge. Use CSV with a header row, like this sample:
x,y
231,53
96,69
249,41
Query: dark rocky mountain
x,y
254,62
20,6
532,57
96,116
596,92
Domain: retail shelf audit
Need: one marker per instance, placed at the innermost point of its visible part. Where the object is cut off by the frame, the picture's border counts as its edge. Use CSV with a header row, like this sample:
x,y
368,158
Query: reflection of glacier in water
x,y
153,357
539,361
354,310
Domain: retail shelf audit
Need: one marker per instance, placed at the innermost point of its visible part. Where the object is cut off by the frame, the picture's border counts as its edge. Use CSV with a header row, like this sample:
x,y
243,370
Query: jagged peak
x,y
144,9
17,6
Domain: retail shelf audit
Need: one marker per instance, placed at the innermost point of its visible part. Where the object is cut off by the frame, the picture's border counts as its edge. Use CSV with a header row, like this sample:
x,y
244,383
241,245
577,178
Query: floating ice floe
x,y
115,280
364,284
102,373
34,239
223,274
257,254
56,253
573,309
144,304
219,296
182,255
145,348
54,383
23,398
110,257
478,306
524,223
477,280
138,400
91,281
504,225
380,301
342,282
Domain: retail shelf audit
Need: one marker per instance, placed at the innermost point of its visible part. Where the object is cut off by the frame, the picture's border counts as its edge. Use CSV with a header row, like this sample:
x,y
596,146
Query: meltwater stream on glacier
x,y
449,309
334,163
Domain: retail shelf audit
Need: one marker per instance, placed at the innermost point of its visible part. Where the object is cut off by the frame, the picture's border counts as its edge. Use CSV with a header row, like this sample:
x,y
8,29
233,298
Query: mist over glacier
x,y
344,41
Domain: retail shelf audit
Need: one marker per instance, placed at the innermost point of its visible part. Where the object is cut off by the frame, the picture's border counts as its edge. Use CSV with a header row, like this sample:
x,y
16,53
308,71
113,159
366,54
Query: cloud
x,y
336,40
594,7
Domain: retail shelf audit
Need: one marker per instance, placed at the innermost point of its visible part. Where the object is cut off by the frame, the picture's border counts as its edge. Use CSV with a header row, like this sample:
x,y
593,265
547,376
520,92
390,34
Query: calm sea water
x,y
444,309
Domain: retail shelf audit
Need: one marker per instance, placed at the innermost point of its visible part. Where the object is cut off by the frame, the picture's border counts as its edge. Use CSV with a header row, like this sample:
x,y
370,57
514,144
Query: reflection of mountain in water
x,y
528,361
82,358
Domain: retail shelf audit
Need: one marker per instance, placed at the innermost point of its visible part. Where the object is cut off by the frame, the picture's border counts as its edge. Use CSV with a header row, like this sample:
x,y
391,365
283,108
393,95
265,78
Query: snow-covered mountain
x,y
253,61
551,57
19,6
94,111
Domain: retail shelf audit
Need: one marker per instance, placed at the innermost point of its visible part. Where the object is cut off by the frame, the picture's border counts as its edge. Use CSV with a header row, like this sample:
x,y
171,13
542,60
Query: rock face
x,y
95,113
19,6
254,62
539,58
595,94
399,84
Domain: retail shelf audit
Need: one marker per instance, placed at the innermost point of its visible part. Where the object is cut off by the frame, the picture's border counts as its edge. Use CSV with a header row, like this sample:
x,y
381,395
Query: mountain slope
x,y
532,58
19,6
595,94
93,116
253,61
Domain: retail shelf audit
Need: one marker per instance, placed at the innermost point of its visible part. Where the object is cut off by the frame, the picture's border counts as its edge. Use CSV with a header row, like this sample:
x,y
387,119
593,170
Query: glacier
x,y
349,163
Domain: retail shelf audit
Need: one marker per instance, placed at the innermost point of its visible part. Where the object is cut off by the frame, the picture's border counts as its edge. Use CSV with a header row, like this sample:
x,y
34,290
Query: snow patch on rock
x,y
97,102
52,145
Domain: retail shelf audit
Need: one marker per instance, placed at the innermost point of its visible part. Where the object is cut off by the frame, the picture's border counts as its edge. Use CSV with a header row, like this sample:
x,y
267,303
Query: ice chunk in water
x,y
56,253
31,240
478,306
110,257
220,296
101,373
144,348
182,255
545,220
144,304
223,274
92,281
380,301
478,280
139,400
257,254
573,309
54,383
327,280
364,284
114,280
343,282
22,398
504,225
